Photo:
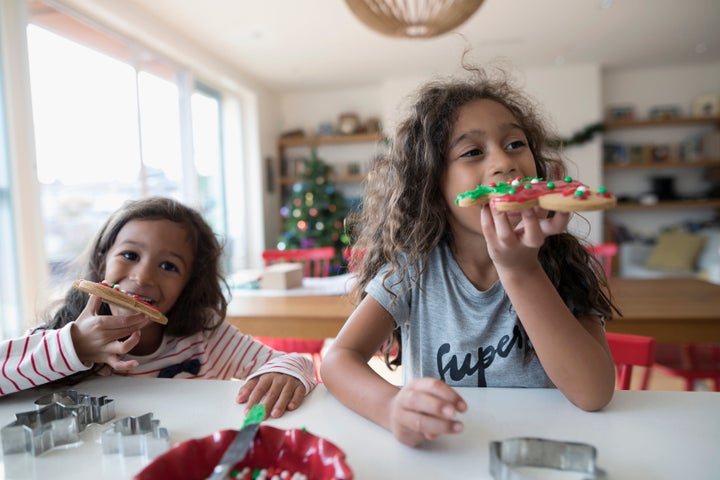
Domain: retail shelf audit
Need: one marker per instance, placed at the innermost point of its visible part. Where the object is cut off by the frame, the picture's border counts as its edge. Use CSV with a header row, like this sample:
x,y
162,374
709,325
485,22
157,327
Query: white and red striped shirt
x,y
223,353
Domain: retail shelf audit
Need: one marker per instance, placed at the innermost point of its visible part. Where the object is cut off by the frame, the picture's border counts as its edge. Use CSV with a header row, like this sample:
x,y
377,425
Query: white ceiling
x,y
308,44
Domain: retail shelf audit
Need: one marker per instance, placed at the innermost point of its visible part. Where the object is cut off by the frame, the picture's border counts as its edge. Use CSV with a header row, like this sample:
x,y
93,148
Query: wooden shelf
x,y
305,141
669,205
665,122
710,163
332,178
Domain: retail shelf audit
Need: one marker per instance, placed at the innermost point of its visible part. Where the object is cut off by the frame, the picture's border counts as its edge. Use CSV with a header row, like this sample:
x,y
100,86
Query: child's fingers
x,y
121,365
439,389
91,307
533,235
556,224
246,390
427,407
487,224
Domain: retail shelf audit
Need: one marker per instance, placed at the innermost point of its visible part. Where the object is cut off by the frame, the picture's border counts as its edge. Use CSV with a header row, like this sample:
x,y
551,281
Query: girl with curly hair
x,y
471,297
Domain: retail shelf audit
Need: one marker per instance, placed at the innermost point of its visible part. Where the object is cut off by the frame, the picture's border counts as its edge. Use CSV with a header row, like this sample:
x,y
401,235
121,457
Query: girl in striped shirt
x,y
165,253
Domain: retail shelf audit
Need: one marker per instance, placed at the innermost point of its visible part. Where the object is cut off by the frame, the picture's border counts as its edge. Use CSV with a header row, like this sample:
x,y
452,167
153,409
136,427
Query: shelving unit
x,y
664,212
650,167
316,141
287,177
661,122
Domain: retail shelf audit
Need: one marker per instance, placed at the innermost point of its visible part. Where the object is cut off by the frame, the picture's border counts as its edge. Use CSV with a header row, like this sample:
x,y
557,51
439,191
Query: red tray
x,y
293,450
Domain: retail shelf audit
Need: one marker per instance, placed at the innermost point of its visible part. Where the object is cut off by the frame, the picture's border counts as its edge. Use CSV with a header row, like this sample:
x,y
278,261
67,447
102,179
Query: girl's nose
x,y
142,274
502,164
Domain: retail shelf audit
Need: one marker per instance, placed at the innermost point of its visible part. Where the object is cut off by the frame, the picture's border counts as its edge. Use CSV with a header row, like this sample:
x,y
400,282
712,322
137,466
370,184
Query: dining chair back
x,y
691,362
604,252
316,261
630,351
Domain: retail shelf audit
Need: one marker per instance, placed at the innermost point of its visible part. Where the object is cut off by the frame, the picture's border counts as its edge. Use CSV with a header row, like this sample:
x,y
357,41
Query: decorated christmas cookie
x,y
566,195
113,294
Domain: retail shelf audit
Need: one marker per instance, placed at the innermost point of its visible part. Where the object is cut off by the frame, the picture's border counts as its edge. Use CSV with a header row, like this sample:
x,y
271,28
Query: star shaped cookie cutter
x,y
57,420
509,457
132,436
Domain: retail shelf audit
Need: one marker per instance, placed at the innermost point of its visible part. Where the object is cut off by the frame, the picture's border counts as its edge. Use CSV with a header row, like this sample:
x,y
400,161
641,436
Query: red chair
x,y
316,261
691,362
630,351
605,253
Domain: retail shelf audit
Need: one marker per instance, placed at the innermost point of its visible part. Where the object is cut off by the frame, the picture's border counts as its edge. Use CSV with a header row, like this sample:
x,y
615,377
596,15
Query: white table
x,y
653,435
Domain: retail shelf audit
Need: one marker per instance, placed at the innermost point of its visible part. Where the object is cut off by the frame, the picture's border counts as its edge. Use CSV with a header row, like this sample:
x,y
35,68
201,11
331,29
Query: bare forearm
x,y
577,362
368,393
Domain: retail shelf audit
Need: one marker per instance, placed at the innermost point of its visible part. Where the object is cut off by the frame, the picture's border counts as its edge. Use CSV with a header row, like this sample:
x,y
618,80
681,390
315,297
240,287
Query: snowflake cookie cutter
x,y
133,436
57,420
508,457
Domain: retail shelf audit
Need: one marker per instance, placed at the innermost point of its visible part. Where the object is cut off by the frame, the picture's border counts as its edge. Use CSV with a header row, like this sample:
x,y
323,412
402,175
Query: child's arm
x,y
36,359
280,381
49,355
573,351
422,409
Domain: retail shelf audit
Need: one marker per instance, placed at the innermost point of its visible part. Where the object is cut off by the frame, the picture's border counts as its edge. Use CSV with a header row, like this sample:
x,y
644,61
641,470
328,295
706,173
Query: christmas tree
x,y
314,213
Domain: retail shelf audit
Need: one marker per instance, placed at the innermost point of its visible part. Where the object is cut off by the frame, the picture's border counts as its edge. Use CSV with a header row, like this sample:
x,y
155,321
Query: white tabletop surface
x,y
640,435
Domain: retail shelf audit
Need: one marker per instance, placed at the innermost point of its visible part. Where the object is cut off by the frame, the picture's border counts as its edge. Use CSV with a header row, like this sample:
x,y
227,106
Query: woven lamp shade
x,y
413,18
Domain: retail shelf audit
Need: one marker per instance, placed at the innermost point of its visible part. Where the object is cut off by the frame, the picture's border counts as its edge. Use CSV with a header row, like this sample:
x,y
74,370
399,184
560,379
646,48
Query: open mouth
x,y
135,296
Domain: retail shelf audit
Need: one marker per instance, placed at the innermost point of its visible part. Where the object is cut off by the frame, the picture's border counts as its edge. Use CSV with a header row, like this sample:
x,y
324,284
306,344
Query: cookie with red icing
x,y
566,195
113,294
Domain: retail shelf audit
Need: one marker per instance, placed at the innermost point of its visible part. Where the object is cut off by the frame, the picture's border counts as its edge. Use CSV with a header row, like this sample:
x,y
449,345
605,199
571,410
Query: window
x,y
115,121
9,297
97,121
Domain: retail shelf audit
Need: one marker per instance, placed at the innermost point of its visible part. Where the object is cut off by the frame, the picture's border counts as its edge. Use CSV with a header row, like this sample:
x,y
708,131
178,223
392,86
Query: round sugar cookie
x,y
113,294
521,193
588,201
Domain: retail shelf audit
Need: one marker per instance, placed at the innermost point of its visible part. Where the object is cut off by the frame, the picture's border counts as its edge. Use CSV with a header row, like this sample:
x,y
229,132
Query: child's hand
x,y
514,241
97,337
424,409
276,391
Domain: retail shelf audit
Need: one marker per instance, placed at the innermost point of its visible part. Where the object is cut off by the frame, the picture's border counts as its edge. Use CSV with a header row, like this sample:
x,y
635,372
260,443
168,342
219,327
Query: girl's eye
x,y
472,153
130,255
516,144
169,266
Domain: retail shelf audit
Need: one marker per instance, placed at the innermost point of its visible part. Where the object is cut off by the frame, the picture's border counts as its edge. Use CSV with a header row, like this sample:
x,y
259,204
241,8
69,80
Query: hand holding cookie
x,y
113,294
566,195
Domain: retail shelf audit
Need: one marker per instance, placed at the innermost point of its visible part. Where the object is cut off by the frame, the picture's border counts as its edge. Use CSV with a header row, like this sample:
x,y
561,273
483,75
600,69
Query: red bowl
x,y
293,450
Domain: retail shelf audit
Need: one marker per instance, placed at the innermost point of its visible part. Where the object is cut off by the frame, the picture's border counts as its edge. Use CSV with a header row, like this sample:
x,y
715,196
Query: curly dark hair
x,y
202,304
404,214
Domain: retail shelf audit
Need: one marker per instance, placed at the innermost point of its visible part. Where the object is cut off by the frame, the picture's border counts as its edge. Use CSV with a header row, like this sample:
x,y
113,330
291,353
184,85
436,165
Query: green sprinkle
x,y
528,186
578,193
568,179
551,185
602,190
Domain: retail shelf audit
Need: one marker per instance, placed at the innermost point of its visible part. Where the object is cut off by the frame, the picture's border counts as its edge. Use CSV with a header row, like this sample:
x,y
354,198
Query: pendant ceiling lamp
x,y
413,18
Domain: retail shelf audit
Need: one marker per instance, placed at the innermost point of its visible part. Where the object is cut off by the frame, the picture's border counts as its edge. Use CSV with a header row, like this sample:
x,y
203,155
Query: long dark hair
x,y
202,304
404,213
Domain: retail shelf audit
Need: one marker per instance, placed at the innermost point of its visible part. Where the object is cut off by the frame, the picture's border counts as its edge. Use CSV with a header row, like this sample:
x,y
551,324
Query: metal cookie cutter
x,y
132,436
509,456
58,419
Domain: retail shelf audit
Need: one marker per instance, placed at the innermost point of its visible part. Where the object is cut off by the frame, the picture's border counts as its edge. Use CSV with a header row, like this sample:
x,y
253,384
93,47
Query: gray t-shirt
x,y
457,333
